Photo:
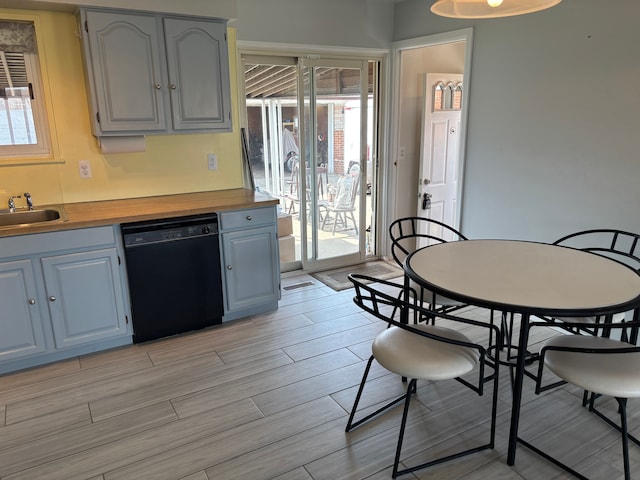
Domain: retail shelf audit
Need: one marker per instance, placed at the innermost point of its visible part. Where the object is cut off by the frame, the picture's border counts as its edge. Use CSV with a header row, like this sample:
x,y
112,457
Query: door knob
x,y
229,267
31,301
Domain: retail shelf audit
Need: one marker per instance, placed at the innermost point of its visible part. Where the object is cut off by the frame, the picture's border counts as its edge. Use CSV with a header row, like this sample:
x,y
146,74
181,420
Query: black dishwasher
x,y
173,268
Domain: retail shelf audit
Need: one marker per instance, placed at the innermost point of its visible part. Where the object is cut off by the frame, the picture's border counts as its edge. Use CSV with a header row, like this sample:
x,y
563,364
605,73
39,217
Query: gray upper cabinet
x,y
197,58
150,73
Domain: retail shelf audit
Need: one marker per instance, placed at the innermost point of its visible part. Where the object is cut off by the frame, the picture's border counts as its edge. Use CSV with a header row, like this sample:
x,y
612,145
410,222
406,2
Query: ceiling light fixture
x,y
489,8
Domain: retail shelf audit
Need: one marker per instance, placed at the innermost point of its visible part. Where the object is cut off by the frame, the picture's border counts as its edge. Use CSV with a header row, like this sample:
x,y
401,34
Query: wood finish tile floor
x,y
267,398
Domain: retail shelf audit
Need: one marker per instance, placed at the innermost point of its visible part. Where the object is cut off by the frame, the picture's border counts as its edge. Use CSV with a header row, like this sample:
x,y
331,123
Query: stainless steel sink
x,y
29,217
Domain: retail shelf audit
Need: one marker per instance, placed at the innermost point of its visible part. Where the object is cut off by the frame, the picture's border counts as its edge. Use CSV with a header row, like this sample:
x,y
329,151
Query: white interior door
x,y
440,141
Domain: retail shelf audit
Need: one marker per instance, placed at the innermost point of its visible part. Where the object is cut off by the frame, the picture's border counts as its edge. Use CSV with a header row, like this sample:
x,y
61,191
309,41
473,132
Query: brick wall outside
x,y
338,141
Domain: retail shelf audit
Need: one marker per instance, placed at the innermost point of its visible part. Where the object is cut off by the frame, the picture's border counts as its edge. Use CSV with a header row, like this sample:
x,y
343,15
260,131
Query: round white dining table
x,y
527,278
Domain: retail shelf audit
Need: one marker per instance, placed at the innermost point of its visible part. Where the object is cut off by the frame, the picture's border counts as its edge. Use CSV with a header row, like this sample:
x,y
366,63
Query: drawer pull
x,y
52,298
229,267
249,217
32,301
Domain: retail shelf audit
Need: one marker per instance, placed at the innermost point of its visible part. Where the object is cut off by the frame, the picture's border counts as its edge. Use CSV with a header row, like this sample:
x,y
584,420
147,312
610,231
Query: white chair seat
x,y
614,374
617,317
413,356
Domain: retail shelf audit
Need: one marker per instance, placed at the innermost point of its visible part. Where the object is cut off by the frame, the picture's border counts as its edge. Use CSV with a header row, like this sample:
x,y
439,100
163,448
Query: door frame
x,y
463,35
383,104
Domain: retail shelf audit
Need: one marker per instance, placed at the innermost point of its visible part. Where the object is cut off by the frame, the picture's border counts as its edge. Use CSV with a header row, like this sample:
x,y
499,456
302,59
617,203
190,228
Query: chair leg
x,y
606,419
353,219
622,408
411,389
335,223
350,423
324,220
622,402
358,395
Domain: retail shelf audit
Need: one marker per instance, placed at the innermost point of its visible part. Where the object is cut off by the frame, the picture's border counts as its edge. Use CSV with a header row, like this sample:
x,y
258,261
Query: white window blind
x,y
16,39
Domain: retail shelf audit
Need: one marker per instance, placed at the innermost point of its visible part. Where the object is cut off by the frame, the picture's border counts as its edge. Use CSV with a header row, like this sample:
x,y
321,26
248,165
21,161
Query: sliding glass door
x,y
312,144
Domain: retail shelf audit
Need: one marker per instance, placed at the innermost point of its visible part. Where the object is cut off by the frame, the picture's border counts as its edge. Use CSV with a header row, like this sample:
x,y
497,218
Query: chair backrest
x,y
385,300
355,185
347,192
406,232
618,245
294,180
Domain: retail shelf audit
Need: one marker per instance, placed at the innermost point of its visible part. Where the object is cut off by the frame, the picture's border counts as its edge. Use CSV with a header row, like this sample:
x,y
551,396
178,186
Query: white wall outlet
x,y
401,153
85,168
212,161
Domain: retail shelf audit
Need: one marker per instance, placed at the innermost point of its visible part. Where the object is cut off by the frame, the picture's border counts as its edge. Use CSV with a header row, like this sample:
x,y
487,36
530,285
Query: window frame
x,y
46,150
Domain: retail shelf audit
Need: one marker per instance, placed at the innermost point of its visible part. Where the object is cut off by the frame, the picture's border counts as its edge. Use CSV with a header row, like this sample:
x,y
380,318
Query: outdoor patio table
x,y
526,278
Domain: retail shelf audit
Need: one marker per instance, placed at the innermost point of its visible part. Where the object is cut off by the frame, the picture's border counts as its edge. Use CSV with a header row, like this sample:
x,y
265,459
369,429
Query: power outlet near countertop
x,y
84,167
212,161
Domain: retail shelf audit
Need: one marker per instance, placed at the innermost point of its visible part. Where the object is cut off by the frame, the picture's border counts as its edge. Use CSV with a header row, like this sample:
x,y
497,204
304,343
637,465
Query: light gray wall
x,y
348,23
553,141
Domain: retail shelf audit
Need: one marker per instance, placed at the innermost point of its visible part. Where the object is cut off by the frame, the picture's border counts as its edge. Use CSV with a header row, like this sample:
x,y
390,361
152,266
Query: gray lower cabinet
x,y
21,330
150,73
64,301
250,261
84,297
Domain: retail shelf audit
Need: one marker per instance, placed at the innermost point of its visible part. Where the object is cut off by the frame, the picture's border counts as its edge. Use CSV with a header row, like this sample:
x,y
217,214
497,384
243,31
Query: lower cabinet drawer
x,y
247,218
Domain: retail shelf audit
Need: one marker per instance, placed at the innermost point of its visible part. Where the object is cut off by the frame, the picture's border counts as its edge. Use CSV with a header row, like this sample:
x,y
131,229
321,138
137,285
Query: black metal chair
x,y
597,364
405,233
420,352
621,246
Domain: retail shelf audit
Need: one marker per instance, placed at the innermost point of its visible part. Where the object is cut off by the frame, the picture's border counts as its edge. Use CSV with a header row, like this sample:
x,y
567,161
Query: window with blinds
x,y
23,129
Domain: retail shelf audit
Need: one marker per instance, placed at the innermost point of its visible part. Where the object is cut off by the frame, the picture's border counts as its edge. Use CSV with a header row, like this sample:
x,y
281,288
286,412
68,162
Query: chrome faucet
x,y
12,203
27,197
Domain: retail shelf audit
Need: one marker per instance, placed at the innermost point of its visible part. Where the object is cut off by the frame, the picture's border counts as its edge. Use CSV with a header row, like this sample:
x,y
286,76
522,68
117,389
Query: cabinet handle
x,y
249,217
172,86
229,267
31,301
157,86
52,298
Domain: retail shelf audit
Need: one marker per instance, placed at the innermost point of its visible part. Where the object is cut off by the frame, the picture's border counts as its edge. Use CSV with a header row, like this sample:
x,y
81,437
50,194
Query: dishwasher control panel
x,y
143,233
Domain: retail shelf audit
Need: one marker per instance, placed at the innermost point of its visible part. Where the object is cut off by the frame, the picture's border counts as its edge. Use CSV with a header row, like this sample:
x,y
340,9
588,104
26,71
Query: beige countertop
x,y
109,212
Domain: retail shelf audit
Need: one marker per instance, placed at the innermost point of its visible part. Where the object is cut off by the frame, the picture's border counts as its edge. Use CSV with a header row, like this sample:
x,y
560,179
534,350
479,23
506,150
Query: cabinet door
x,y
250,267
198,65
127,64
21,332
85,298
